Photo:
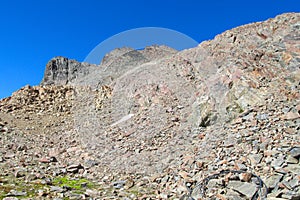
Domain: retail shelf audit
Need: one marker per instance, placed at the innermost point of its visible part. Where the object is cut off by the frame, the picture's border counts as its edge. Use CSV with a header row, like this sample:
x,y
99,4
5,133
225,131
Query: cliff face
x,y
62,71
231,104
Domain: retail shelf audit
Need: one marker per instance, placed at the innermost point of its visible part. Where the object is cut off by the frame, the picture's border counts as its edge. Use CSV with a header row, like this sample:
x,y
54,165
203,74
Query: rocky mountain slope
x,y
218,121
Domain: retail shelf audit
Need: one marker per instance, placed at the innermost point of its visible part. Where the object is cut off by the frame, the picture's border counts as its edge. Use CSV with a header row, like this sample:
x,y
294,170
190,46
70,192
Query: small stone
x,y
31,177
81,171
290,116
291,195
273,181
244,188
10,198
20,173
165,179
221,197
255,159
54,152
163,196
290,131
90,163
229,143
281,171
129,184
200,164
74,168
291,160
56,189
118,184
16,193
238,120
295,152
78,166
175,119
74,196
137,151
240,166
21,147
277,163
9,155
294,182
285,184
233,195
285,110
53,159
44,160
214,183
184,175
4,129
262,116
92,193
246,177
41,193
46,181
180,106
294,168
270,153
196,194
72,149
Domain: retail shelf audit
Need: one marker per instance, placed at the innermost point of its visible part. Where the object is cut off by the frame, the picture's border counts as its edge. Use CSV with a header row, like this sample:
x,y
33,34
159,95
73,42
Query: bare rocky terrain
x,y
218,121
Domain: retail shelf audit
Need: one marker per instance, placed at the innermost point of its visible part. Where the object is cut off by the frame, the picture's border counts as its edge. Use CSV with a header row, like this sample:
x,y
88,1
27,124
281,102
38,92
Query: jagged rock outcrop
x,y
156,52
114,54
62,71
160,120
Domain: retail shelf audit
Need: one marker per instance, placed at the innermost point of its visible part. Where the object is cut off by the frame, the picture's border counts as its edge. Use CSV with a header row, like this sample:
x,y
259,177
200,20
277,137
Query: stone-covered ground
x,y
219,121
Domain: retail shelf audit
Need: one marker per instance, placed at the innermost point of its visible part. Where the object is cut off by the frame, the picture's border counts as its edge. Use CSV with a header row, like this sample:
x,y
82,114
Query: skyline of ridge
x,y
34,32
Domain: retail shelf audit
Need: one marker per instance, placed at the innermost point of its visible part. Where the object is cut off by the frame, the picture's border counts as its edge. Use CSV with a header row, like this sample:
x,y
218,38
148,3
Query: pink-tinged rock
x,y
54,152
45,160
188,159
290,116
246,177
238,120
72,149
298,107
9,155
184,175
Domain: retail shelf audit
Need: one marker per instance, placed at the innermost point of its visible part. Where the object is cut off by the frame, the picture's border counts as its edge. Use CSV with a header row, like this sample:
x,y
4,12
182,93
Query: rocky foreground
x,y
219,121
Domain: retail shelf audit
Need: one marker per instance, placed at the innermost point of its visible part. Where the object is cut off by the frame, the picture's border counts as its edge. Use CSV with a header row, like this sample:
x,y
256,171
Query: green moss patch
x,y
9,183
73,183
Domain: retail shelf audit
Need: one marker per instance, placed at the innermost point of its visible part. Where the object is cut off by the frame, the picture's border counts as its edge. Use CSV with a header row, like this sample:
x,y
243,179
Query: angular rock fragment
x,y
244,188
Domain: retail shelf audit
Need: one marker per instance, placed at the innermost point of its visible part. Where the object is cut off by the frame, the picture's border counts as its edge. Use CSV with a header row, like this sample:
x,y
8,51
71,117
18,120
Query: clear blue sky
x,y
33,32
